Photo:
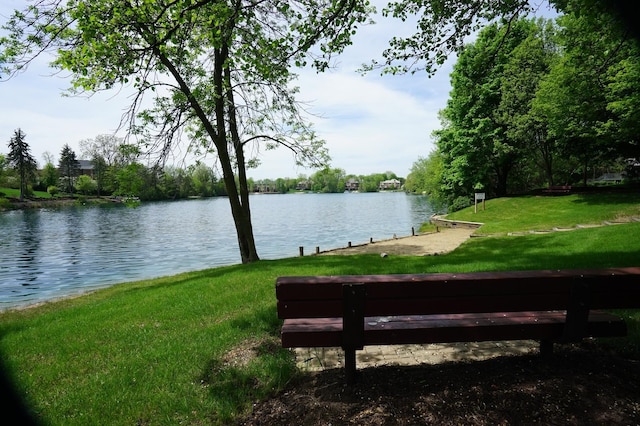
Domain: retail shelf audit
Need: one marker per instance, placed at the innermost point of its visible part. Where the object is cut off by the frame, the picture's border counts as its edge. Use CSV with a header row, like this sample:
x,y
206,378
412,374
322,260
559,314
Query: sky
x,y
371,124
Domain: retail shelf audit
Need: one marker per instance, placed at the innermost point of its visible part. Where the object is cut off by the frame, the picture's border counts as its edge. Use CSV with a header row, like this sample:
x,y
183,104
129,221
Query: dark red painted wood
x,y
327,332
549,306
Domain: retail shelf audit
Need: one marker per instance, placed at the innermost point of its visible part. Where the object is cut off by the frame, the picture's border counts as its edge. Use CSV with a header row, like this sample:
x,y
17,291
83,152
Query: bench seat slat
x,y
327,332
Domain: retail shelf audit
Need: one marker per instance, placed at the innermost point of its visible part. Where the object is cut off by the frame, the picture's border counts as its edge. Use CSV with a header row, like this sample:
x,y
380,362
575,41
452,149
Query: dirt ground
x,y
419,245
578,385
500,384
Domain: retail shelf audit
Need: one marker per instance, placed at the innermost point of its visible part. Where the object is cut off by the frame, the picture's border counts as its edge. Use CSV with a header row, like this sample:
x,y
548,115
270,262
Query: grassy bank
x,y
199,348
536,213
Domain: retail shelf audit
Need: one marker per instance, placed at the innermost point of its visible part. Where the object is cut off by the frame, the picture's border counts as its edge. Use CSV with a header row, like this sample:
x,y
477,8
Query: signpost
x,y
479,196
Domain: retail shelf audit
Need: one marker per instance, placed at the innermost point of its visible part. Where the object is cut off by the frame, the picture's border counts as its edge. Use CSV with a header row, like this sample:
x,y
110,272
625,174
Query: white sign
x,y
479,196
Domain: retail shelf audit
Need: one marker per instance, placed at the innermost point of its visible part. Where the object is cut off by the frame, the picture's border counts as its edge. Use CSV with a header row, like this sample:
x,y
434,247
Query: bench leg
x,y
350,365
546,348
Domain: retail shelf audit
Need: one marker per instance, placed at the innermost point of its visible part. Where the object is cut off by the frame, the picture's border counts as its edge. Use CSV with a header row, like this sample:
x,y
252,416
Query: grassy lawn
x,y
199,348
537,213
15,193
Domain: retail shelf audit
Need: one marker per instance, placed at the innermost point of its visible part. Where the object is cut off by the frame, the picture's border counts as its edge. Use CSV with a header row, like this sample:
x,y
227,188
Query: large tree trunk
x,y
239,200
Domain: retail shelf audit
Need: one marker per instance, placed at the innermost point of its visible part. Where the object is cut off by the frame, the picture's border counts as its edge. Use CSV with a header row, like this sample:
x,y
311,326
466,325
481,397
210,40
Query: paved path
x,y
317,359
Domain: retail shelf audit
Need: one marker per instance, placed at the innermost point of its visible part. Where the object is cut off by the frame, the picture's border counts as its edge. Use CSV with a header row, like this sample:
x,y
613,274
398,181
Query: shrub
x,y
459,204
52,190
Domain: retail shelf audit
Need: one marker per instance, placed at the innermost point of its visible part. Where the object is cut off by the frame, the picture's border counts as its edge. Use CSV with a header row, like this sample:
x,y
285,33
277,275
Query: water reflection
x,y
27,249
53,253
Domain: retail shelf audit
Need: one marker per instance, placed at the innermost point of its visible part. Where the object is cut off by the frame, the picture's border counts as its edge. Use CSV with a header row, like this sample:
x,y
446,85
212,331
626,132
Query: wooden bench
x,y
557,189
353,311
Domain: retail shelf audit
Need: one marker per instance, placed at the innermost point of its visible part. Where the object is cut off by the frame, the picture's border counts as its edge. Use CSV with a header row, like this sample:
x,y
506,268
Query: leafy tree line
x,y
536,103
327,180
117,171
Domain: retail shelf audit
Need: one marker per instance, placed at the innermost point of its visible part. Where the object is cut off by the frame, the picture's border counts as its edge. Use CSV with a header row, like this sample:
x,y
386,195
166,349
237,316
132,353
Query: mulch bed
x,y
578,385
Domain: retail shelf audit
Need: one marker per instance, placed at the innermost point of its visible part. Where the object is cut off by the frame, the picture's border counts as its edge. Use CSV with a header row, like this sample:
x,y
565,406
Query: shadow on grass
x,y
622,196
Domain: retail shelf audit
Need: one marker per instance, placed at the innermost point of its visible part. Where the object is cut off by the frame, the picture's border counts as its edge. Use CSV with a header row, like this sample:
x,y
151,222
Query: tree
x,y
69,167
328,180
100,169
426,176
106,147
21,160
529,64
444,26
132,180
217,71
204,180
476,148
579,99
3,165
85,185
49,175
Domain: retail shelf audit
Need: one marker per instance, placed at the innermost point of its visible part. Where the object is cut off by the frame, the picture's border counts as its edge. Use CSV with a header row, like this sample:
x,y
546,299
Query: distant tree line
x,y
115,169
536,103
327,180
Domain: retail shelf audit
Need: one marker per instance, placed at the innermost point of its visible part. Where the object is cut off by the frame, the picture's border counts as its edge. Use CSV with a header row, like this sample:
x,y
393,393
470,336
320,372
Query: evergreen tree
x,y
69,167
21,160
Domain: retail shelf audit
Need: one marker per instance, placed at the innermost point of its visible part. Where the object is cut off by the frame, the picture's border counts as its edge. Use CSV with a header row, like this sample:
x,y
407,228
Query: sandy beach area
x,y
444,241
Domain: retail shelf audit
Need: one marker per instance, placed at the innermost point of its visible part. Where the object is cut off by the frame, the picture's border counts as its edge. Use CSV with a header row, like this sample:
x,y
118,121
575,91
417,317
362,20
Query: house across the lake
x,y
389,184
86,167
304,185
351,185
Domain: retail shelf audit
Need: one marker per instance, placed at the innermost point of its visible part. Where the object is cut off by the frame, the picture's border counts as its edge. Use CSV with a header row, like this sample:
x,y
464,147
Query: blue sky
x,y
371,123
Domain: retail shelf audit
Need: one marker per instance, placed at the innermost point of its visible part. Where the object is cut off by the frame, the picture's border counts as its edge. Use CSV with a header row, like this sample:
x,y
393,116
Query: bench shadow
x,y
580,384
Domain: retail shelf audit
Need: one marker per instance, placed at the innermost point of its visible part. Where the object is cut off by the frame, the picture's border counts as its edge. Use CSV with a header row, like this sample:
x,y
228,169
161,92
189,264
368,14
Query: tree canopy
x,y
535,103
444,26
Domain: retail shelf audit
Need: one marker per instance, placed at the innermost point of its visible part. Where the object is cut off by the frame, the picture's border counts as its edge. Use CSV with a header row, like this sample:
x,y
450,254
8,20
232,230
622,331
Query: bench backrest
x,y
424,294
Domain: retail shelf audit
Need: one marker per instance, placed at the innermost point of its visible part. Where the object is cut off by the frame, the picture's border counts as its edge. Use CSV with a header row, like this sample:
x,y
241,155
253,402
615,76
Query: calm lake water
x,y
47,254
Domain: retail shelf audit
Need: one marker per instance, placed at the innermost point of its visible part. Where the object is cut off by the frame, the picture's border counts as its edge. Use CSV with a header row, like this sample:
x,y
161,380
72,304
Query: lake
x,y
53,253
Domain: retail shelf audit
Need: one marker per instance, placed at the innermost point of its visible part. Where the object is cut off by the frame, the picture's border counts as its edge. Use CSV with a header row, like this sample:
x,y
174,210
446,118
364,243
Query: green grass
x,y
15,193
544,213
158,351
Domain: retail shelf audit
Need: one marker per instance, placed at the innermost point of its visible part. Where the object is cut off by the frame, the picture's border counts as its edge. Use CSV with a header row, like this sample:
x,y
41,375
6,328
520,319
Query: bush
x,y
12,182
52,190
459,204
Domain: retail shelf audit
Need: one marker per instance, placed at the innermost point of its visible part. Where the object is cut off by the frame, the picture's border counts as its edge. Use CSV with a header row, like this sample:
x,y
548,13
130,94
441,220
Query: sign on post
x,y
479,196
